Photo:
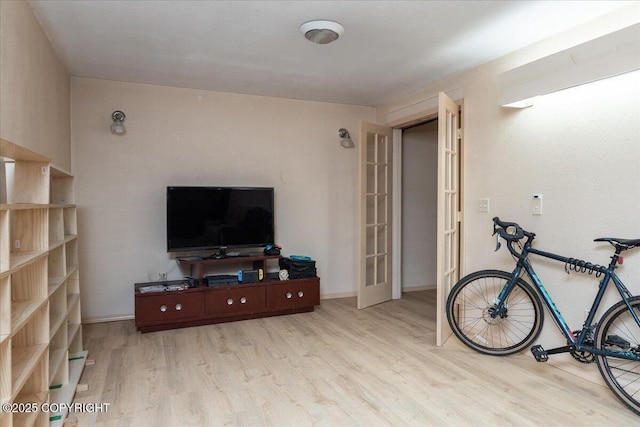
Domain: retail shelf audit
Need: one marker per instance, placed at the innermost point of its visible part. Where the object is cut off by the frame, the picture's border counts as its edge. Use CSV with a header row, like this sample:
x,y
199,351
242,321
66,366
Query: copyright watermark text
x,y
32,407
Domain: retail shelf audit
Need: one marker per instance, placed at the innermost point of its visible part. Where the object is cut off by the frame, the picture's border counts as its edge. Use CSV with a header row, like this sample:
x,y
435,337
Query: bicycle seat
x,y
623,244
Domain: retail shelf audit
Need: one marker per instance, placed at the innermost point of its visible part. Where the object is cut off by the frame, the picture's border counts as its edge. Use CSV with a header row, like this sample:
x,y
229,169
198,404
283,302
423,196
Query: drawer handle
x,y
243,300
230,301
163,308
288,295
178,307
300,294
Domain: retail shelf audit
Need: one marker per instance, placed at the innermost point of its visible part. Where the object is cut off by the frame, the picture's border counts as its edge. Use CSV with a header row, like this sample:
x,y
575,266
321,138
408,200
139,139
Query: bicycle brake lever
x,y
497,241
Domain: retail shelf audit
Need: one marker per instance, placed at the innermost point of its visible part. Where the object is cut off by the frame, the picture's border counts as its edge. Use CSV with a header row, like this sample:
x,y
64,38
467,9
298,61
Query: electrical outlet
x,y
483,205
17,244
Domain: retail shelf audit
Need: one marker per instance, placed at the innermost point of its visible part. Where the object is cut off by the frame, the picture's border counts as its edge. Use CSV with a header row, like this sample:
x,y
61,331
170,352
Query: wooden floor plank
x,y
335,366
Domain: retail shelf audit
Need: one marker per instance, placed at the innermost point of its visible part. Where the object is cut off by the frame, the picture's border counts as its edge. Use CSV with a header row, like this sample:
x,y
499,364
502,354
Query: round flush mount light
x,y
321,32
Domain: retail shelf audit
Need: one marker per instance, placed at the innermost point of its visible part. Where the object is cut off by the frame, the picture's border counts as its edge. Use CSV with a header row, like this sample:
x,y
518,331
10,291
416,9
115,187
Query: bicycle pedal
x,y
539,353
618,341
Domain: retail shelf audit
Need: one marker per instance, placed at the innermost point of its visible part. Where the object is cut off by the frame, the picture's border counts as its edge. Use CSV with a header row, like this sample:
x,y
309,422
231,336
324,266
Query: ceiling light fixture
x,y
322,32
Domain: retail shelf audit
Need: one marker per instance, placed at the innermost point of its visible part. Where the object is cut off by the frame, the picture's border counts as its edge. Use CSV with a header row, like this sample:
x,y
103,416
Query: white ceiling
x,y
389,48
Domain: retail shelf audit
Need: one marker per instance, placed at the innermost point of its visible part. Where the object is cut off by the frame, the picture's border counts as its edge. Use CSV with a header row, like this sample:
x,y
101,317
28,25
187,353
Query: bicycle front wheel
x,y
471,303
618,331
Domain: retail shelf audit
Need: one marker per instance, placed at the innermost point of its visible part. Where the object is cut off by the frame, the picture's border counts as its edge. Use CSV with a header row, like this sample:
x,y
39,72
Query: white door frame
x,y
401,121
396,225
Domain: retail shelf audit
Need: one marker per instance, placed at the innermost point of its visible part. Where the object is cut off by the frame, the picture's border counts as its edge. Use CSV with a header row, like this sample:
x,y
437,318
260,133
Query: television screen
x,y
219,217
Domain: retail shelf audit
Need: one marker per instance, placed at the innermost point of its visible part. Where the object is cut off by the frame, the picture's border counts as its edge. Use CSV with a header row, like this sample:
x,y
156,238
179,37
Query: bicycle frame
x,y
576,344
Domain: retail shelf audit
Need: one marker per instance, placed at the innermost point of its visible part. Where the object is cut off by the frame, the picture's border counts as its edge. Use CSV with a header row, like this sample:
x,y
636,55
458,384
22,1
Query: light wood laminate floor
x,y
337,366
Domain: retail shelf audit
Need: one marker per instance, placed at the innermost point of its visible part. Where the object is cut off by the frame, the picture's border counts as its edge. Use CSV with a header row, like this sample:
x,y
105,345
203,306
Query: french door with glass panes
x,y
376,152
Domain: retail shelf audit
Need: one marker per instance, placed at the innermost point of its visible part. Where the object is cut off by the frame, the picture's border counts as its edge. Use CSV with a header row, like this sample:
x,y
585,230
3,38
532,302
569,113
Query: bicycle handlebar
x,y
511,232
501,227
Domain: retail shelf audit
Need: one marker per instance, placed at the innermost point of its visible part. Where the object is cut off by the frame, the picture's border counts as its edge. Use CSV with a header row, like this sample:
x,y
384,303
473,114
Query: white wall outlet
x,y
483,205
536,205
43,170
17,244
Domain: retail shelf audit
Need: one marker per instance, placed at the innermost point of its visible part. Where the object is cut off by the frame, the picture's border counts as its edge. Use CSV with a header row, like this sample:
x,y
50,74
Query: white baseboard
x,y
338,295
418,288
103,319
355,294
567,364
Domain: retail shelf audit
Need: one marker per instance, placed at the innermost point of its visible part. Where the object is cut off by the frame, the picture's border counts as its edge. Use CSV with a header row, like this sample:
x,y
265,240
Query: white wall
x,y
419,205
194,137
34,106
580,148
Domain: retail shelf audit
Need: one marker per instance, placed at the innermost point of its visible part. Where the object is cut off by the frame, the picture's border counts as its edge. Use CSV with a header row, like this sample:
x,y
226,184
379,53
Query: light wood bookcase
x,y
41,351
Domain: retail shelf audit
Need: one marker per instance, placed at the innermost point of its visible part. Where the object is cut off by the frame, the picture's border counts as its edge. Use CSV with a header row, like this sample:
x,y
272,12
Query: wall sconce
x,y
117,127
345,138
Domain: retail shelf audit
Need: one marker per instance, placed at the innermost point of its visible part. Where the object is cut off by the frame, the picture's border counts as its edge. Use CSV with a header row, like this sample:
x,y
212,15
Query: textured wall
x,y
34,86
193,137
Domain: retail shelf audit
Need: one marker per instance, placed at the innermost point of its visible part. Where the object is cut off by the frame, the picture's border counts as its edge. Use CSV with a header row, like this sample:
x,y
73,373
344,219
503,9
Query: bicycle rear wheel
x,y
469,308
618,331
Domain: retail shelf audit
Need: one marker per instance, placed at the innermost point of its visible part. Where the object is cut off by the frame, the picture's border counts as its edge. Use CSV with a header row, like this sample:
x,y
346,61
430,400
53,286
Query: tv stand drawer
x,y
228,301
168,307
294,294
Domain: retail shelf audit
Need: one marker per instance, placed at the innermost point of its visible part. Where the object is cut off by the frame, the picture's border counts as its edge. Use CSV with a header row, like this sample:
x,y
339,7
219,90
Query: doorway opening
x,y
419,203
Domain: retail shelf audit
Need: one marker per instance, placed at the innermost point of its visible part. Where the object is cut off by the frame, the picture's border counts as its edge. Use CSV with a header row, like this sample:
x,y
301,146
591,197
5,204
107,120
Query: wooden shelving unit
x,y
40,328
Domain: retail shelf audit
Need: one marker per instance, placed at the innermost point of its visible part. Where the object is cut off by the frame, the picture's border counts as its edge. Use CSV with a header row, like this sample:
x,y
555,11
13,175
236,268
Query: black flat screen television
x,y
201,218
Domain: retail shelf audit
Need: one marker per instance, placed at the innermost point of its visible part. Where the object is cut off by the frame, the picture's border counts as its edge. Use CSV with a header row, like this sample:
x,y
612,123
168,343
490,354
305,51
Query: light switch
x,y
536,205
483,205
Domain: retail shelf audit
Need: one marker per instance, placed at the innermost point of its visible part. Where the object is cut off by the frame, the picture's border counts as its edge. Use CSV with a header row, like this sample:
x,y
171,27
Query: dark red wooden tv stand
x,y
202,305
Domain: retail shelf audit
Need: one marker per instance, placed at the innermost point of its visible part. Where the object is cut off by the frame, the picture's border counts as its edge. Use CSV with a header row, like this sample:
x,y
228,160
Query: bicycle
x,y
499,313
